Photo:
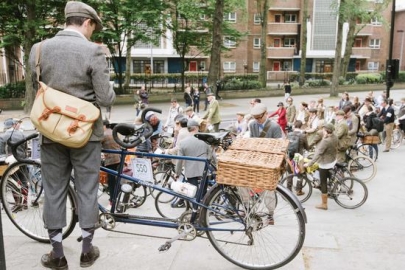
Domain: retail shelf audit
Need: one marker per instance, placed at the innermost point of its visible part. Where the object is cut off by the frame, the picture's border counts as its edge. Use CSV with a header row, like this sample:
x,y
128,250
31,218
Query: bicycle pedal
x,y
165,247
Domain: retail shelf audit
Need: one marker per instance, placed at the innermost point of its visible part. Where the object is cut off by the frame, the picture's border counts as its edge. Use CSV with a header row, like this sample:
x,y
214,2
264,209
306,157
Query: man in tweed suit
x,y
212,115
72,64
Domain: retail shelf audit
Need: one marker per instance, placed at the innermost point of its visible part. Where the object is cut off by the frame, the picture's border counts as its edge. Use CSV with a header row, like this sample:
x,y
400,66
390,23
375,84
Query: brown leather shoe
x,y
49,261
88,259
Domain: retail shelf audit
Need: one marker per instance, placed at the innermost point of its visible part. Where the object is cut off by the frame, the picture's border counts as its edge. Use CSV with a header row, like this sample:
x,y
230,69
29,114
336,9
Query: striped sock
x,y
56,241
87,235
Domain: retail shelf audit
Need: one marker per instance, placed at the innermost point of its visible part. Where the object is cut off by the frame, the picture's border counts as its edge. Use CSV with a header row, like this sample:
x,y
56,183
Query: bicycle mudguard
x,y
289,194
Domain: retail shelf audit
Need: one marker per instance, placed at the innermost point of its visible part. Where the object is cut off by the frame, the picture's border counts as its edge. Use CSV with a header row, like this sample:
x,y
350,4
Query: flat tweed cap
x,y
79,9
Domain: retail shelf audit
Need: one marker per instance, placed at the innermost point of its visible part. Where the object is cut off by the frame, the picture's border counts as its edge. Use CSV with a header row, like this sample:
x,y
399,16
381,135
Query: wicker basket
x,y
274,146
103,178
250,169
3,169
370,140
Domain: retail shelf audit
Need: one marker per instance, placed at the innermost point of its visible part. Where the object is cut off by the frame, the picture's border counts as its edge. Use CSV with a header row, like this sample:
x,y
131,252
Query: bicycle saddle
x,y
212,138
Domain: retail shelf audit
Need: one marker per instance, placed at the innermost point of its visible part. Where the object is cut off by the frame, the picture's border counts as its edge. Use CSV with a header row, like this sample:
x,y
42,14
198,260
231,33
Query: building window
x,y
230,17
257,18
290,18
375,21
373,66
287,65
289,42
277,42
229,66
358,43
277,18
139,66
229,42
256,43
256,66
375,43
202,17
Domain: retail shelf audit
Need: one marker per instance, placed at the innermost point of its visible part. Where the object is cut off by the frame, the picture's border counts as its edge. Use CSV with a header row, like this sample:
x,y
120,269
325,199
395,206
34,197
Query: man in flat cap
x,y
71,63
212,115
342,134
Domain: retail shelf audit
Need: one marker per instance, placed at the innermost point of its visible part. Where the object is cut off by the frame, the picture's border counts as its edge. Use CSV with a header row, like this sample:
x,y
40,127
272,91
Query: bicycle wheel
x,y
368,150
350,193
362,167
161,178
22,196
170,206
396,138
293,182
254,230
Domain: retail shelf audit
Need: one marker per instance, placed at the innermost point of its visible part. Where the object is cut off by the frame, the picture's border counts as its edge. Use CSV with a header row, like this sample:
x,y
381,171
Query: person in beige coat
x,y
325,156
291,111
212,115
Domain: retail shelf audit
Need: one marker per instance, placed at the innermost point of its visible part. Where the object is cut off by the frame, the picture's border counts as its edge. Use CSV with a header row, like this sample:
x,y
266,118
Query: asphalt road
x,y
371,237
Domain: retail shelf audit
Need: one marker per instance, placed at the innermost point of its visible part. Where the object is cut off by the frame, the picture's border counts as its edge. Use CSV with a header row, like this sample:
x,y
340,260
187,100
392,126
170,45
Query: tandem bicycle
x,y
233,218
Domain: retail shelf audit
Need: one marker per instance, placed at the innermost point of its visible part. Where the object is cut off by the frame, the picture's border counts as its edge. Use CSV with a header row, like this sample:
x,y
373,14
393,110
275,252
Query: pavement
x,y
371,237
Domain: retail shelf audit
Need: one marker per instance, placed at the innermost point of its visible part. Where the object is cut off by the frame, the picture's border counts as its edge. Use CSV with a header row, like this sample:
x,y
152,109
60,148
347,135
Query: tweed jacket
x,y
341,132
291,113
212,114
72,64
325,151
193,147
273,132
354,124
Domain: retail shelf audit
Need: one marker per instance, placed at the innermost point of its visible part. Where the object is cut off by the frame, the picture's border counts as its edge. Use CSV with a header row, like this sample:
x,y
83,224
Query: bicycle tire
x,y
164,206
349,192
231,215
306,186
397,138
368,150
28,219
362,168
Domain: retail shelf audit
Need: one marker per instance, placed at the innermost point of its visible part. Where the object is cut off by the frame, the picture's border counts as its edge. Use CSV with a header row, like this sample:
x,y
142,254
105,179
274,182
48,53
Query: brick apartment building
x,y
283,43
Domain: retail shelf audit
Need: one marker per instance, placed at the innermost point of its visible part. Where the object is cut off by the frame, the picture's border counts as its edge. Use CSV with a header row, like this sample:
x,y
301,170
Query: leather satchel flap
x,y
60,102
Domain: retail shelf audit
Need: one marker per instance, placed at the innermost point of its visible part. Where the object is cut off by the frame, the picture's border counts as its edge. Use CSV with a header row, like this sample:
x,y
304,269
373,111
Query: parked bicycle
x,y
348,192
235,219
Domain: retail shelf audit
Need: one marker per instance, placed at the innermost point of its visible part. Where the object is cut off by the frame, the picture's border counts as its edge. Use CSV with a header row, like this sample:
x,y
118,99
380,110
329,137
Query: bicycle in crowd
x,y
348,192
234,219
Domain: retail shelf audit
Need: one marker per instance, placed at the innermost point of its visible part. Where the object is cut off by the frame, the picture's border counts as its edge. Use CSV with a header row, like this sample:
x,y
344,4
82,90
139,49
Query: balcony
x,y
368,30
280,52
285,5
361,52
283,28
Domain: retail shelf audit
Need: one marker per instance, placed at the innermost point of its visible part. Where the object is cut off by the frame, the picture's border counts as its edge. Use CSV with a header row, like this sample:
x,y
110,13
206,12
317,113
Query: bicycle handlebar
x,y
14,146
134,134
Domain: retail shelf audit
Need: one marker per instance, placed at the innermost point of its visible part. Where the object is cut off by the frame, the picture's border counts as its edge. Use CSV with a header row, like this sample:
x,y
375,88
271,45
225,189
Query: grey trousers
x,y
57,164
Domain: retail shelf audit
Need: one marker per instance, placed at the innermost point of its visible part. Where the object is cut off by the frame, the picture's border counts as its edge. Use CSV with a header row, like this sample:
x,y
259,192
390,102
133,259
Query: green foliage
x,y
13,90
369,78
317,83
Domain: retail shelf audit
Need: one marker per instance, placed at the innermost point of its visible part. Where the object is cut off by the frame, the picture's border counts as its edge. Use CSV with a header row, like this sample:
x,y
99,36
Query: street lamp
x,y
402,48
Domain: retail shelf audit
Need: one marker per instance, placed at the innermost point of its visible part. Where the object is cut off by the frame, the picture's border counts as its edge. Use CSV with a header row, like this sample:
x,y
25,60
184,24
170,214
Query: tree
x,y
304,43
22,24
263,9
124,27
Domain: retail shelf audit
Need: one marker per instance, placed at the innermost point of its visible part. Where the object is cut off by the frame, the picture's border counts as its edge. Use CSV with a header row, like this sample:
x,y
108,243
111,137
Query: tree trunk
x,y
338,57
127,67
264,7
349,46
215,60
27,45
303,45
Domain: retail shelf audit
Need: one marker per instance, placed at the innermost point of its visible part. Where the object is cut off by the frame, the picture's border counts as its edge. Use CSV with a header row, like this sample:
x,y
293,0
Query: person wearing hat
x,y
212,115
174,110
71,63
312,125
282,116
12,131
191,147
325,156
341,132
291,111
303,114
364,107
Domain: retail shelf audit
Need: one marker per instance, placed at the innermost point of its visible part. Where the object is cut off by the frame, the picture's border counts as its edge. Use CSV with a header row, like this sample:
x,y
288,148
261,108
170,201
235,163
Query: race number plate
x,y
142,169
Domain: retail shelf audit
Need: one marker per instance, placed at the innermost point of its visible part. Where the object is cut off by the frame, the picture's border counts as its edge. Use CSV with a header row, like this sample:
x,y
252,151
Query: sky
x,y
400,4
